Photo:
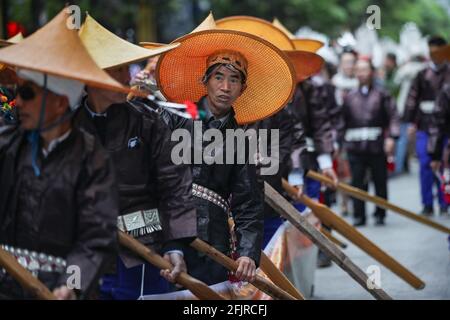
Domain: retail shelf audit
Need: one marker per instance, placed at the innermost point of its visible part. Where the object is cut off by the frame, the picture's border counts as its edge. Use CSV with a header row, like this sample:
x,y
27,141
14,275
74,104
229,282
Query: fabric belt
x,y
211,196
140,223
363,134
36,262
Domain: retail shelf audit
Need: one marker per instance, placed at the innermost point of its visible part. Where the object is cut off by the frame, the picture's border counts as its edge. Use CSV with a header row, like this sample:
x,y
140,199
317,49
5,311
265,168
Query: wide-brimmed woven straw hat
x,y
110,51
13,40
57,50
270,81
258,27
310,45
305,63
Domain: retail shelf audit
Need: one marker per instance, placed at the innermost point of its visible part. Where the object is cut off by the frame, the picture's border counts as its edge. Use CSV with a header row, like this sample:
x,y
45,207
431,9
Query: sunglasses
x,y
26,92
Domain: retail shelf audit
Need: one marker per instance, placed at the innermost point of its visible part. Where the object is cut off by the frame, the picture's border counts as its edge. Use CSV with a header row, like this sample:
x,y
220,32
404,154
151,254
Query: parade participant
x,y
58,204
371,126
418,112
238,86
155,195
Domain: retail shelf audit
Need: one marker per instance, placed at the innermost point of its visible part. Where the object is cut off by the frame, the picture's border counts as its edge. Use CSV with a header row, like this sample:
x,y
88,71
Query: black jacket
x,y
236,182
140,147
69,211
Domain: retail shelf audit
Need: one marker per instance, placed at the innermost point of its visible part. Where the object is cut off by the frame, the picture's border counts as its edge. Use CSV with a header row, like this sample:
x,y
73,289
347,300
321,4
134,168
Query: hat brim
x,y
271,76
309,45
258,27
306,64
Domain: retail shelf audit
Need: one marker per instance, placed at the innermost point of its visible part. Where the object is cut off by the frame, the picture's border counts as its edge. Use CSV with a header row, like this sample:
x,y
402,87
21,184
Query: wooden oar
x,y
198,288
24,277
278,277
340,225
380,202
285,209
333,238
260,283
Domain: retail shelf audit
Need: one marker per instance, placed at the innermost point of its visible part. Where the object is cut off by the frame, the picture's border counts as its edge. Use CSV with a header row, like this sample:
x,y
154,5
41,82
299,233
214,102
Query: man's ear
x,y
63,104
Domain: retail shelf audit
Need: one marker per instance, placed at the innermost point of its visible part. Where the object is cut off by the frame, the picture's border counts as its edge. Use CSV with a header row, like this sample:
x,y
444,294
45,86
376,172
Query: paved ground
x,y
421,249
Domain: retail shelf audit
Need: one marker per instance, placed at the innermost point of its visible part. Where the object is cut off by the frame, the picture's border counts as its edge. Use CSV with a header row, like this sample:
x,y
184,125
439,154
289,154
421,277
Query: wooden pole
x,y
337,223
198,288
380,202
333,239
278,277
285,209
260,283
24,277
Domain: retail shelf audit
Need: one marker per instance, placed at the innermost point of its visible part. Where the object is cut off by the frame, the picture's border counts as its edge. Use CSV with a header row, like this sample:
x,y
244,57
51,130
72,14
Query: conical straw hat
x,y
13,40
57,50
206,24
110,51
309,45
258,27
271,77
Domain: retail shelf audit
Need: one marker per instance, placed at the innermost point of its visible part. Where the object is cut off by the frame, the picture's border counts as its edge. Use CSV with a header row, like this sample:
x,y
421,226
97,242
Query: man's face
x,y
29,106
121,75
433,50
363,72
348,64
224,87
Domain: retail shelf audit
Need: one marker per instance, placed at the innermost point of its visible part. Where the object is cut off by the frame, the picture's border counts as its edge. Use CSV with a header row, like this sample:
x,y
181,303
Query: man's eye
x,y
219,78
234,80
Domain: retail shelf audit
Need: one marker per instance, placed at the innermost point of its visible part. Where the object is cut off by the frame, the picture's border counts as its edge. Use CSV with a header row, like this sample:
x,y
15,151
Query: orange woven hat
x,y
270,81
258,27
57,50
305,64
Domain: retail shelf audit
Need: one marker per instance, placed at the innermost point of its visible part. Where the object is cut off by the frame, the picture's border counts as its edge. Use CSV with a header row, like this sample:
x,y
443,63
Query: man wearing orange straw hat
x,y
58,204
237,78
155,196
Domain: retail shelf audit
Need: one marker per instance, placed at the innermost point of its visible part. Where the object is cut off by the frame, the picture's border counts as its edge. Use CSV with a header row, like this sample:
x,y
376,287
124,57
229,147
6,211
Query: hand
x,y
64,293
389,146
177,261
330,173
246,270
435,165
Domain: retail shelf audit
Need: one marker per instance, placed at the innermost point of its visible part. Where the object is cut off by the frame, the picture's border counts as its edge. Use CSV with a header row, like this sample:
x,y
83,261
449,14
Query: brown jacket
x,y
368,119
441,124
69,211
422,96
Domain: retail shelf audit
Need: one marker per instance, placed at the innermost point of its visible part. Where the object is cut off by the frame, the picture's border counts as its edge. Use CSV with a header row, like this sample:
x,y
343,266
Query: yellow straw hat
x,y
110,51
257,27
270,80
206,24
309,45
57,50
305,63
13,40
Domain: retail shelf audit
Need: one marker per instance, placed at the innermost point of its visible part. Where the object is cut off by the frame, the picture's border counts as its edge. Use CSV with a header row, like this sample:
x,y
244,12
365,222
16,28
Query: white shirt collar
x,y
54,143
